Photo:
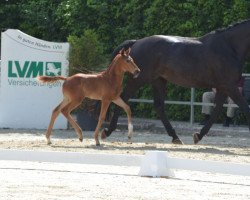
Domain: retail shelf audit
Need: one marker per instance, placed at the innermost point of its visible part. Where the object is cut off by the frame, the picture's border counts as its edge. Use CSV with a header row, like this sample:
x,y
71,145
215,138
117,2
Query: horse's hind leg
x,y
112,125
104,108
159,90
241,102
127,109
66,112
54,115
219,101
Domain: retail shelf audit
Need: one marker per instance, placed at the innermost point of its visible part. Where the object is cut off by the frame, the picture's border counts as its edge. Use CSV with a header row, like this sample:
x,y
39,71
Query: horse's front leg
x,y
159,91
127,109
219,101
104,108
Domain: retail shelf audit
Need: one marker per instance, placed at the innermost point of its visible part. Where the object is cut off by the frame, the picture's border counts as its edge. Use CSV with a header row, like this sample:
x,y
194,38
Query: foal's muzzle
x,y
136,73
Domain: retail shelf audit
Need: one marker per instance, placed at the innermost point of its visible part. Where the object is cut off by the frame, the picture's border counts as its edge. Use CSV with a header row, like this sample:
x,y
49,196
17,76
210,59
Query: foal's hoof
x,y
104,135
48,141
196,138
129,140
80,139
177,141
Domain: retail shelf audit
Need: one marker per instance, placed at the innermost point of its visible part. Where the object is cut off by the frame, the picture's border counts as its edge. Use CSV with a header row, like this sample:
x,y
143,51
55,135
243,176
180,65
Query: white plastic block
x,y
155,164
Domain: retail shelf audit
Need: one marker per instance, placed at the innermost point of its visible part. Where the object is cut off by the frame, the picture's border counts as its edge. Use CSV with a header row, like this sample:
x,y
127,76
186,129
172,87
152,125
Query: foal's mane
x,y
111,64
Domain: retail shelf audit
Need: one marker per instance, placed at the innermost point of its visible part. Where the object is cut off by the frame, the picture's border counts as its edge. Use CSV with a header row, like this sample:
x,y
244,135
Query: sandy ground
x,y
33,180
223,147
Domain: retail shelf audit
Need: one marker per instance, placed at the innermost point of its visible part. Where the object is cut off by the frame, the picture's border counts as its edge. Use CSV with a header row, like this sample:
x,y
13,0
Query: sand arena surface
x,y
226,146
33,180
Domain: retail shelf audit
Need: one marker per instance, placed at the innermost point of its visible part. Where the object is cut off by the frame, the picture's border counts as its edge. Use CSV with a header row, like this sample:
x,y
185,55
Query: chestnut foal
x,y
105,86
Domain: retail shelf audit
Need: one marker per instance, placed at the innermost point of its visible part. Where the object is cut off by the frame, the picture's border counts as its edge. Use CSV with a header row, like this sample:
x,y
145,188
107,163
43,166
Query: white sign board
x,y
25,102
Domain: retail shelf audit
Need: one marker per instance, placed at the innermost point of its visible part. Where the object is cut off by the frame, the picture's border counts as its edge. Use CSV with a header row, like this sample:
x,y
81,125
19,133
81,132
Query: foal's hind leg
x,y
54,115
66,112
159,90
126,108
104,108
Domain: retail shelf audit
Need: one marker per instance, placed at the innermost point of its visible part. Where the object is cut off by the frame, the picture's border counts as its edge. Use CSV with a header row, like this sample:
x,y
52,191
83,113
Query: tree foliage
x,y
107,23
86,53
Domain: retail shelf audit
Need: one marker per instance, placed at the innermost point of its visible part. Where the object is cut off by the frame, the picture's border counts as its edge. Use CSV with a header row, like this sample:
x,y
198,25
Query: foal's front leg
x,y
126,108
104,108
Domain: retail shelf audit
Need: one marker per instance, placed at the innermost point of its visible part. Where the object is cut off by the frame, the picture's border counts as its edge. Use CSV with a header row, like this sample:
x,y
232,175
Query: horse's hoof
x,y
177,141
104,135
196,138
49,143
80,139
98,144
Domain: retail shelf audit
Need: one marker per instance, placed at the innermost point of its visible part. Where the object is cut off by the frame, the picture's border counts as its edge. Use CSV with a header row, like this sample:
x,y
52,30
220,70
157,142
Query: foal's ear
x,y
128,51
122,51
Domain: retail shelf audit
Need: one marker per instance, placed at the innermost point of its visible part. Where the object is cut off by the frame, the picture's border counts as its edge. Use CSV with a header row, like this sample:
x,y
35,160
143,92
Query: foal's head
x,y
127,64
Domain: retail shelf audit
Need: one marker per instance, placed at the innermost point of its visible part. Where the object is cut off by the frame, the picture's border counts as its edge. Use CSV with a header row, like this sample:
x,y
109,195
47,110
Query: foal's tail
x,y
50,79
126,44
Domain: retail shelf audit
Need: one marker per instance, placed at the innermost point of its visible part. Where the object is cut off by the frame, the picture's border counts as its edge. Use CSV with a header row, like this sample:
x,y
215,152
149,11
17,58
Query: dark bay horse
x,y
105,86
214,60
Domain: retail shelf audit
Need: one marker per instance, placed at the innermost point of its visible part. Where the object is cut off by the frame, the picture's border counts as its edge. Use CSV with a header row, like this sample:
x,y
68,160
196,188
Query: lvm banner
x,y
25,102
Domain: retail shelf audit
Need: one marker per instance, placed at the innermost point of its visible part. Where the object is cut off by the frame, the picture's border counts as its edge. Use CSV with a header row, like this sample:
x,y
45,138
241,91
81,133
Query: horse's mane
x,y
126,44
230,27
224,30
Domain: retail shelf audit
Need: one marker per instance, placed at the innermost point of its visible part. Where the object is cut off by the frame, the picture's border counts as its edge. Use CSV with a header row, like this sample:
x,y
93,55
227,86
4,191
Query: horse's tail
x,y
126,44
50,79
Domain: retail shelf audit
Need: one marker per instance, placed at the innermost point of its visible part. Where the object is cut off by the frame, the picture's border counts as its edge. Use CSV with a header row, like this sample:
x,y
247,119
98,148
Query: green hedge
x,y
107,23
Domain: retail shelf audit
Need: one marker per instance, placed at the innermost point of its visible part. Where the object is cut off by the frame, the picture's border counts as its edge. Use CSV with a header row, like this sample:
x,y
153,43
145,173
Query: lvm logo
x,y
31,69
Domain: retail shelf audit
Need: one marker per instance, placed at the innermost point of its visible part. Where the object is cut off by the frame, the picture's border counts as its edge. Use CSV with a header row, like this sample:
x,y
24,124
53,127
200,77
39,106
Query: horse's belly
x,y
187,80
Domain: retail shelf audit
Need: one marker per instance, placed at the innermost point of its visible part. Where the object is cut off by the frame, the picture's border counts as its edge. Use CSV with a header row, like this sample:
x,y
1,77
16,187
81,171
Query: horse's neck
x,y
239,37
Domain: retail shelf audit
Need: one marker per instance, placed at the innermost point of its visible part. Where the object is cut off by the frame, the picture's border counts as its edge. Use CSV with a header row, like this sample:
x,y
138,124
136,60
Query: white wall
x,y
24,102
